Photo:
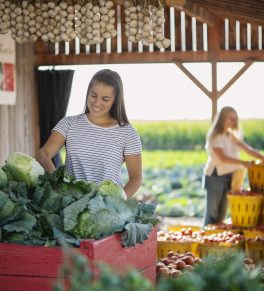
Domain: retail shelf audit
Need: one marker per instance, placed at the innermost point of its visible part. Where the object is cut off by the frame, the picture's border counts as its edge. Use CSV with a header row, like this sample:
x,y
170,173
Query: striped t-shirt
x,y
96,153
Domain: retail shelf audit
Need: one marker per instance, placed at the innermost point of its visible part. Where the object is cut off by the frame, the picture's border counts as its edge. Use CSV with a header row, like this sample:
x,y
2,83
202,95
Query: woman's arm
x,y
251,151
52,146
134,168
226,159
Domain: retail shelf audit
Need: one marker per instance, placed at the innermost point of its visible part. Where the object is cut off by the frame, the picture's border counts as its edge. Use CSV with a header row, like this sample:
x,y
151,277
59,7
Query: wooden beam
x,y
193,78
234,79
167,2
149,57
214,89
194,10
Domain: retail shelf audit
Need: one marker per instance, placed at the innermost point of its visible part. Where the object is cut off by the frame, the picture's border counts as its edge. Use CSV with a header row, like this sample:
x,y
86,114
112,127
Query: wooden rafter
x,y
234,79
214,95
193,78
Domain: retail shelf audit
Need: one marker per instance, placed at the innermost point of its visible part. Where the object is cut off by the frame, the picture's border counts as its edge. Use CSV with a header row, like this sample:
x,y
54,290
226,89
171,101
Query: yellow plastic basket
x,y
205,250
256,177
211,229
245,209
249,233
255,250
181,227
178,247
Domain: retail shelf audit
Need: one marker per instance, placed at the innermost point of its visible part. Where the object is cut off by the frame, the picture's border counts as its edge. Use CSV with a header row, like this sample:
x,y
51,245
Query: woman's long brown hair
x,y
112,79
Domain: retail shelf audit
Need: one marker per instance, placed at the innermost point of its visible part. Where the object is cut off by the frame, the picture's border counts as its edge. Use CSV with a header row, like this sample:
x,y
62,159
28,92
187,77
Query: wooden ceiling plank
x,y
240,17
201,14
247,11
242,5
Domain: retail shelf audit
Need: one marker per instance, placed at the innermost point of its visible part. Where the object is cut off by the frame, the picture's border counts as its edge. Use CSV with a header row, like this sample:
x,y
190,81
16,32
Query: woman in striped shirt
x,y
100,140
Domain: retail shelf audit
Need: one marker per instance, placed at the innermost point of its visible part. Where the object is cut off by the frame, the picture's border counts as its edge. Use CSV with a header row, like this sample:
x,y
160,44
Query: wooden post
x,y
214,89
214,48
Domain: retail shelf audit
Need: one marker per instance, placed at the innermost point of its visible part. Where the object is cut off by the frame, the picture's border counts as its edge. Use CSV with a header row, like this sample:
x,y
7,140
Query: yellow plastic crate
x,y
256,177
205,250
248,233
178,247
181,227
245,209
255,250
210,229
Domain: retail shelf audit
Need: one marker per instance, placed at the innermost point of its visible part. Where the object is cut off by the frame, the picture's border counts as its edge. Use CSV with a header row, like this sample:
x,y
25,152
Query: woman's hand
x,y
248,164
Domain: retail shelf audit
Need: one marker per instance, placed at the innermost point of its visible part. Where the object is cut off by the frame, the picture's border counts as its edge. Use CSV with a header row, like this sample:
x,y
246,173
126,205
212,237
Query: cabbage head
x,y
108,187
3,179
24,168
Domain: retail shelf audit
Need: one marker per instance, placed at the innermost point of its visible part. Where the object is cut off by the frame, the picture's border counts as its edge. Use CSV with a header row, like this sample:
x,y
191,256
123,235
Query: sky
x,y
164,92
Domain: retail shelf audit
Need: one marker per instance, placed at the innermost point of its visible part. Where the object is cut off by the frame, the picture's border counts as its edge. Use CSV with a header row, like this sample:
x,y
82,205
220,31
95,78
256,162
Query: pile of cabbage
x,y
39,208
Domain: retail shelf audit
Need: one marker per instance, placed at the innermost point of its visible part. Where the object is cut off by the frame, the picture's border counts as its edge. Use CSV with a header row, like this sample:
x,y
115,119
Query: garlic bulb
x,y
93,23
145,24
55,21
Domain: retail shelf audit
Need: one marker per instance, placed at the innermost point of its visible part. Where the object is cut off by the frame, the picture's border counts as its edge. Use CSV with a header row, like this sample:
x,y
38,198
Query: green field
x,y
190,134
169,159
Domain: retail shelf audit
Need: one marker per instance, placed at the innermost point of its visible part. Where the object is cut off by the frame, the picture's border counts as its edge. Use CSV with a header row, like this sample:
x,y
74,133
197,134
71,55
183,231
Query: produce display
x,y
91,22
55,21
200,236
185,235
229,273
258,239
145,23
175,264
40,209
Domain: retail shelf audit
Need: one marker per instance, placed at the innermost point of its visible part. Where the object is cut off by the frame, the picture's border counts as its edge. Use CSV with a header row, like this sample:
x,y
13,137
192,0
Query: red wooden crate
x,y
22,266
23,283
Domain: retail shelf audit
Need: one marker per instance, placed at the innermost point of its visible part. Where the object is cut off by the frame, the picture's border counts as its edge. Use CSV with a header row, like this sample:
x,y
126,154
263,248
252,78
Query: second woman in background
x,y
223,144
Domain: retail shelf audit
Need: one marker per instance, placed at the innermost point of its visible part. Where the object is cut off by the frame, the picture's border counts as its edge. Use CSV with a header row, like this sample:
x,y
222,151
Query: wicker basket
x,y
205,250
255,250
178,247
181,227
245,209
256,177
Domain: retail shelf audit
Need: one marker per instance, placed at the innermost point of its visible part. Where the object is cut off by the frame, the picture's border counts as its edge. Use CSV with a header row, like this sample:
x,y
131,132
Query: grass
x,y
169,159
190,134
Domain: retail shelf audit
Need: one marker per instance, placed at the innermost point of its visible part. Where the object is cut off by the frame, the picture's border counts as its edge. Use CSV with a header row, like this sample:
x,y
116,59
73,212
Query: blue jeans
x,y
217,188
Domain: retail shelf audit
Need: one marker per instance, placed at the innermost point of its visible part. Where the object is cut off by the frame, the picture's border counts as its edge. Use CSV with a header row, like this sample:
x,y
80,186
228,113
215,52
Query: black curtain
x,y
54,88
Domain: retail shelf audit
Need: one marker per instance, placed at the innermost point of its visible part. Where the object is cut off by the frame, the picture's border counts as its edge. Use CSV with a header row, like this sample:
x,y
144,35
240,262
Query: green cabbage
x,y
3,179
24,168
108,187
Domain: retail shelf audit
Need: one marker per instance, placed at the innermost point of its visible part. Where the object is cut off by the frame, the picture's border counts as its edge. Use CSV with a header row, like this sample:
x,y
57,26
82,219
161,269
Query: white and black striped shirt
x,y
95,153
